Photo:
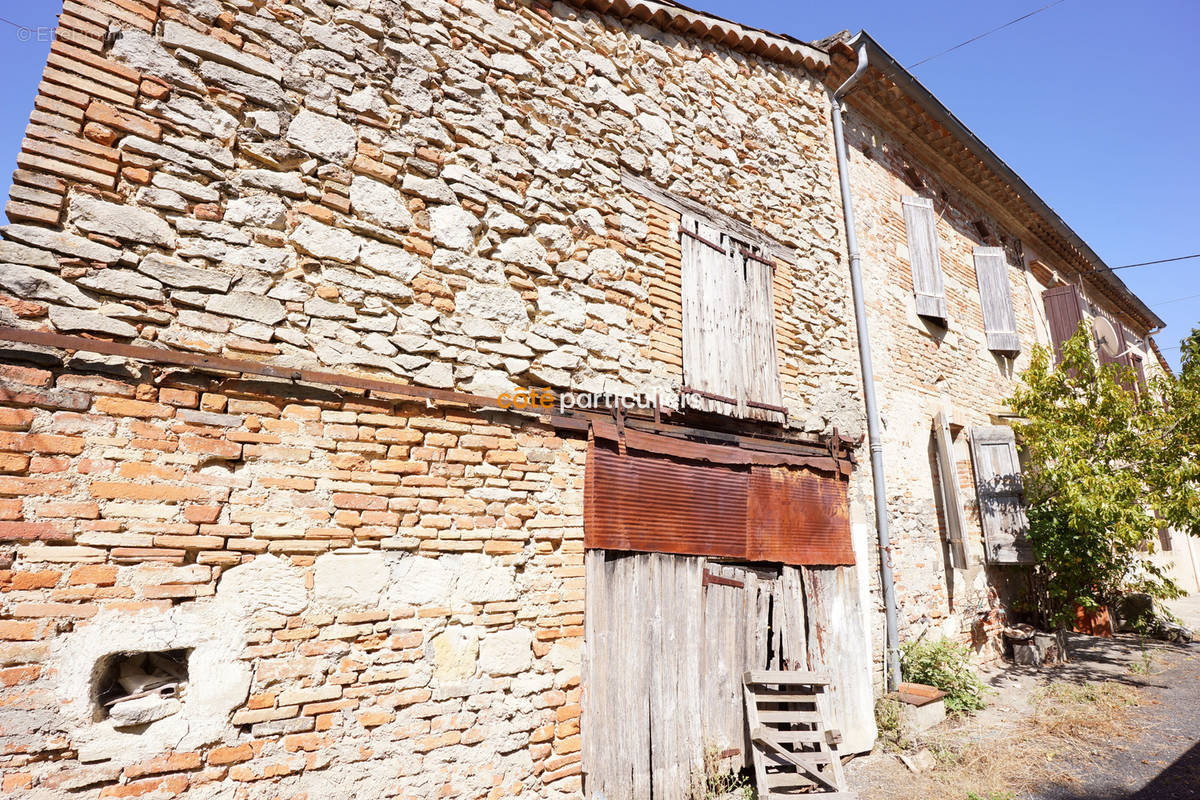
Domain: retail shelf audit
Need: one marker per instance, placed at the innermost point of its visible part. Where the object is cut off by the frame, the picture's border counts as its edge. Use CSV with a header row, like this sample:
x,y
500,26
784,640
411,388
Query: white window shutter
x,y
729,348
920,224
1001,495
995,297
713,301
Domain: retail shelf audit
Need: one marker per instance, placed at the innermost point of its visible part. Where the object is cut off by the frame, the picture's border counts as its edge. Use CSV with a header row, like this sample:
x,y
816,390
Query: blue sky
x,y
1094,102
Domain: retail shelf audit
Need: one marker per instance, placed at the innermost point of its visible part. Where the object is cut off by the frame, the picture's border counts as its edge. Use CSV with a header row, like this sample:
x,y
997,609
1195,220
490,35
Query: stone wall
x,y
379,598
427,190
922,369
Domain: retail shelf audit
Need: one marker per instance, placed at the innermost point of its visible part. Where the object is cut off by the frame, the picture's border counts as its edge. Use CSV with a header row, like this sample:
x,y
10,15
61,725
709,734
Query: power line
x,y
16,25
988,33
1176,300
1142,264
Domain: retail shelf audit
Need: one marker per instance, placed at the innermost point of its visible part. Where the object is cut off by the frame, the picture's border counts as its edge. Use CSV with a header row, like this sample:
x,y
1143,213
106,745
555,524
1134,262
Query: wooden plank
x,y
635,612
788,677
951,499
793,623
838,644
775,715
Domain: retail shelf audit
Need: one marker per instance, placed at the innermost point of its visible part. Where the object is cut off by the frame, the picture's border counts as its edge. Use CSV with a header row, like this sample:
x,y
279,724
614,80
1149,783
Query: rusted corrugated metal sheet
x,y
660,505
796,517
655,503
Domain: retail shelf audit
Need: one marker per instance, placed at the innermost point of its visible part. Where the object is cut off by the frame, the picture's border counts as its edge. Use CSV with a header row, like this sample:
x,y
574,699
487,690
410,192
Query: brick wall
x,y
439,656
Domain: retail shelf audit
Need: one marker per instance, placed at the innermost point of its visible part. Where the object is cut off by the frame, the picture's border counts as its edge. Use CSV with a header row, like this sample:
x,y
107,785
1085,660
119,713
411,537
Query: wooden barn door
x,y
667,640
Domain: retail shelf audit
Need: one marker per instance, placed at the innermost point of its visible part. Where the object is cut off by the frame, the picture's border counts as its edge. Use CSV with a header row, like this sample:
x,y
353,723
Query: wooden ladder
x,y
793,743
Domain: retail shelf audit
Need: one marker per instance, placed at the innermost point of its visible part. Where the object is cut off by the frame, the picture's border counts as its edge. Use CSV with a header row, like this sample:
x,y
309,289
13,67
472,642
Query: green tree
x,y
1096,473
1178,478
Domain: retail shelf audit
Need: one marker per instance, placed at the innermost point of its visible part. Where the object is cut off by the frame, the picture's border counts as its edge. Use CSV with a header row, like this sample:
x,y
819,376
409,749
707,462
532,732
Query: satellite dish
x,y
1106,337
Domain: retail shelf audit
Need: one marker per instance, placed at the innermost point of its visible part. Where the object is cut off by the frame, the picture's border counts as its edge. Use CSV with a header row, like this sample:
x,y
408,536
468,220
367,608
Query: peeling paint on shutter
x,y
1064,314
761,370
995,298
713,302
920,225
948,483
1001,495
729,348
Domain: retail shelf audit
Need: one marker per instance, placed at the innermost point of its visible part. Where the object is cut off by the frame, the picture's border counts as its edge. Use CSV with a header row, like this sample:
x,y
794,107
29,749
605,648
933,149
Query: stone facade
x,y
385,598
923,369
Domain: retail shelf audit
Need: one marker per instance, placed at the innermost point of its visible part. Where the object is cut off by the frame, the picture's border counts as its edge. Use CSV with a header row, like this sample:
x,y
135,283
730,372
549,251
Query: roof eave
x,y
679,19
903,79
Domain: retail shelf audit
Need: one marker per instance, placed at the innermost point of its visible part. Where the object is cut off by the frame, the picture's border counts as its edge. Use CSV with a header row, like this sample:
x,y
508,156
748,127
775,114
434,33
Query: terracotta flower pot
x,y
1094,621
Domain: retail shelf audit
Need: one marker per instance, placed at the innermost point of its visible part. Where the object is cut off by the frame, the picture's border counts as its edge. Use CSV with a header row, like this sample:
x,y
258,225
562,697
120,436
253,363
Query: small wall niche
x,y
135,689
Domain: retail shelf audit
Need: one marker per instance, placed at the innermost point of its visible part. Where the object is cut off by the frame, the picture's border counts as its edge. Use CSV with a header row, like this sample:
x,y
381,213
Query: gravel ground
x,y
1155,757
1162,759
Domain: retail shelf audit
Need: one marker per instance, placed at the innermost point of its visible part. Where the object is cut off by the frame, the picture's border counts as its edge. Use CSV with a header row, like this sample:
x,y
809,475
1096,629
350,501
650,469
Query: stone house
x,y
953,323
280,513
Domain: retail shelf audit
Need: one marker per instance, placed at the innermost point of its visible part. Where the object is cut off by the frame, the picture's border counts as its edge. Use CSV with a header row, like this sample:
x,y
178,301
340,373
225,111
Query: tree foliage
x,y
1107,465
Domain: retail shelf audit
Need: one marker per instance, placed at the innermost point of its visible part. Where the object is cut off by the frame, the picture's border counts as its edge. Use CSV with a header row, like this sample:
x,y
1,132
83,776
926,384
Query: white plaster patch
x,y
506,652
217,681
350,579
265,584
422,581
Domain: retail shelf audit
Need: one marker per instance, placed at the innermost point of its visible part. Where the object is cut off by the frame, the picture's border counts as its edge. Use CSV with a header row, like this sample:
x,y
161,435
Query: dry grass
x,y
1026,752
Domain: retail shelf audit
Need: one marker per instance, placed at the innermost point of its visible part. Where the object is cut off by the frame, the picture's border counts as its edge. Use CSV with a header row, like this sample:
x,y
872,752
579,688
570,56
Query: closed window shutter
x,y
1001,495
1139,369
948,483
1063,313
729,346
713,298
920,224
995,298
761,368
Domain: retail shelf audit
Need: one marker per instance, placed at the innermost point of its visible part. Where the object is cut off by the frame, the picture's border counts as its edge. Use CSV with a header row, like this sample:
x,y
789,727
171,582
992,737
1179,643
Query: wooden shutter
x,y
761,366
995,298
1001,498
1063,313
948,483
1139,369
729,346
713,298
920,224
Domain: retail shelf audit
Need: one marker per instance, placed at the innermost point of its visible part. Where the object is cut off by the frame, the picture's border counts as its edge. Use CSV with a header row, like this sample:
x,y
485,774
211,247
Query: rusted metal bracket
x,y
720,580
750,254
702,240
577,421
720,398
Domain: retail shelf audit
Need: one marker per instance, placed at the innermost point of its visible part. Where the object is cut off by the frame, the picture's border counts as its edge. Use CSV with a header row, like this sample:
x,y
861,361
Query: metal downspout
x,y
868,376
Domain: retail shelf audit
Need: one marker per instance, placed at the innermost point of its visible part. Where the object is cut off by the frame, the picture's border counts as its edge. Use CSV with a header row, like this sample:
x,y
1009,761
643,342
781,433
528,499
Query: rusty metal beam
x,y
578,421
161,355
